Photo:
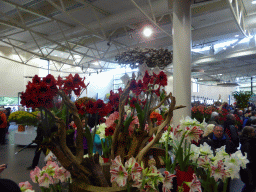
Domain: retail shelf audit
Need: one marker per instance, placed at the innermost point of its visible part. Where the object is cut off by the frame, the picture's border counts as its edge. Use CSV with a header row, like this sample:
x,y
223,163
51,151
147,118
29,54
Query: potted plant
x,y
242,98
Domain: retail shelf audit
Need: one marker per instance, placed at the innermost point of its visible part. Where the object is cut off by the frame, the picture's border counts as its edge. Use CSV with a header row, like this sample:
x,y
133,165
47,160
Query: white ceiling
x,y
80,32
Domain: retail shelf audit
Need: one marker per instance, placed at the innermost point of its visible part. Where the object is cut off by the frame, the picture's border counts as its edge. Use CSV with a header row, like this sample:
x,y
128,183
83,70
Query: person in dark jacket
x,y
231,130
217,139
248,145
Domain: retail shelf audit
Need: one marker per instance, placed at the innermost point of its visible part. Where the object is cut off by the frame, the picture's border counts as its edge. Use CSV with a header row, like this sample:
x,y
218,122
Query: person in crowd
x,y
231,130
253,115
214,118
217,139
247,120
253,123
3,125
38,140
7,113
248,145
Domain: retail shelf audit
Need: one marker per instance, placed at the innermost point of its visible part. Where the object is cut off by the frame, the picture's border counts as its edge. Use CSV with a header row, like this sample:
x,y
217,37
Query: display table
x,y
25,137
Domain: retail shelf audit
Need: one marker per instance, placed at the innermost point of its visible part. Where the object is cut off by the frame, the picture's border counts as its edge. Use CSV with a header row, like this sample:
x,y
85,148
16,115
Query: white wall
x,y
11,75
212,92
101,83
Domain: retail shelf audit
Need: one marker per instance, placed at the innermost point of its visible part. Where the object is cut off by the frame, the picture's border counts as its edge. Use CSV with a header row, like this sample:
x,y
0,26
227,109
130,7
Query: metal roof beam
x,y
37,13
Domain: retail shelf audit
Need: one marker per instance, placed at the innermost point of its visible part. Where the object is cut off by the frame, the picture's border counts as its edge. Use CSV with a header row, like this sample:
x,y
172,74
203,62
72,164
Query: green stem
x,y
225,185
128,187
53,188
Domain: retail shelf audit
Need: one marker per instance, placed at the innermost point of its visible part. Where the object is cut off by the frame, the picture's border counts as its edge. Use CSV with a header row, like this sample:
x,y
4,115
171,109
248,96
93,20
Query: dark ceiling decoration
x,y
151,57
228,84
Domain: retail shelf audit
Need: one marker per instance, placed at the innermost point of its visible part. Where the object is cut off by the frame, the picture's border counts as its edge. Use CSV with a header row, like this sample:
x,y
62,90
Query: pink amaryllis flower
x,y
110,121
25,186
45,180
168,181
59,174
116,162
35,174
133,168
119,175
193,134
195,185
218,171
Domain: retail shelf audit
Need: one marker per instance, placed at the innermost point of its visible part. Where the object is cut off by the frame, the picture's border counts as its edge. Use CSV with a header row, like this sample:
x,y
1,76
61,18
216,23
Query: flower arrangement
x,y
129,130
24,118
214,168
51,177
201,112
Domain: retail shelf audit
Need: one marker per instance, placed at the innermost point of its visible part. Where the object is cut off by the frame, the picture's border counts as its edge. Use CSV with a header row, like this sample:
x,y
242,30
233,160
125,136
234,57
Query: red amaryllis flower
x,y
146,79
36,79
133,101
49,79
162,78
77,91
133,86
157,91
140,87
60,82
90,107
78,81
109,131
154,79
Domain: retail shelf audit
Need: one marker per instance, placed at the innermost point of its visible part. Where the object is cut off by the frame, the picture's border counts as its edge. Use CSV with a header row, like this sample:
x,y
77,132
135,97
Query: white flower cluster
x,y
221,165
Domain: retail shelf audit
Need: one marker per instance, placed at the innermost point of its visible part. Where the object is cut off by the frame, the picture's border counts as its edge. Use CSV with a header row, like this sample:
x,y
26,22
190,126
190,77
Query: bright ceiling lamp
x,y
253,1
147,31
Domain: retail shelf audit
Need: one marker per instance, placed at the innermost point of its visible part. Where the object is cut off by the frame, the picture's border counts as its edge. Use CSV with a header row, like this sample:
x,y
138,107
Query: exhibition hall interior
x,y
206,50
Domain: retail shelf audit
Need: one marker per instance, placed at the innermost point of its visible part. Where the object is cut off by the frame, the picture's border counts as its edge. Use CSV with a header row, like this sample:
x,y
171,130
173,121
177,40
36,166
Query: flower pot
x,y
184,176
105,160
21,128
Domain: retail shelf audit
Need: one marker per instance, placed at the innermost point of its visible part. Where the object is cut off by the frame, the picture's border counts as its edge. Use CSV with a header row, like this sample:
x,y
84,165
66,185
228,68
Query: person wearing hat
x,y
3,125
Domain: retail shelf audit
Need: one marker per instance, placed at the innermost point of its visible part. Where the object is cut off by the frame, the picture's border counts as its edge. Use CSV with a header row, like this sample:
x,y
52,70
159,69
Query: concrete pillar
x,y
182,58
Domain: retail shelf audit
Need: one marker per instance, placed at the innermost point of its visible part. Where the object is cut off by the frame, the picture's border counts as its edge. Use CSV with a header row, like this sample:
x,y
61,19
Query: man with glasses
x,y
217,139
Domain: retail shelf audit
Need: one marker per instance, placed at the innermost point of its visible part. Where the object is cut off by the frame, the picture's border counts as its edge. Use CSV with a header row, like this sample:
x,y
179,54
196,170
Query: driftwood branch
x,y
79,139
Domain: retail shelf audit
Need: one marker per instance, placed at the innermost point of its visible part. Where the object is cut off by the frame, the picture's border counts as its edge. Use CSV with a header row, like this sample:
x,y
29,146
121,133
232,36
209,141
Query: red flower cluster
x,y
222,115
154,116
72,84
114,99
109,131
98,107
238,120
138,87
40,93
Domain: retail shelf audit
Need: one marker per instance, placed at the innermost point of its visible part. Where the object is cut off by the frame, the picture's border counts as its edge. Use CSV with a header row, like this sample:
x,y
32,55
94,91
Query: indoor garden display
x,y
126,116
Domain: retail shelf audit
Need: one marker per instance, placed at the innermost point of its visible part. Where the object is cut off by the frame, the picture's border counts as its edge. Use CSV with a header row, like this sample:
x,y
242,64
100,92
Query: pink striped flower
x,y
45,180
194,133
116,162
119,175
168,181
25,186
35,174
194,185
218,171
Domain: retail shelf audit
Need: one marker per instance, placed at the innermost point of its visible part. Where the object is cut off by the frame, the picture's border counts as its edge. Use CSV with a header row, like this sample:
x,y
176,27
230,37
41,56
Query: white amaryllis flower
x,y
208,129
205,149
119,175
189,122
233,171
243,158
101,130
220,154
195,152
164,137
45,180
168,181
194,185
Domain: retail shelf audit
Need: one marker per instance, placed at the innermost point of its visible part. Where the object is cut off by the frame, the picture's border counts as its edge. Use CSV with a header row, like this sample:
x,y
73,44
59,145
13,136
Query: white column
x,y
181,58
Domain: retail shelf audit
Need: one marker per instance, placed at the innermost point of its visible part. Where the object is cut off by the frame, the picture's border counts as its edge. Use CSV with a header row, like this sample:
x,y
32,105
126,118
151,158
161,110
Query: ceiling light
x,y
96,63
224,48
147,31
254,2
236,35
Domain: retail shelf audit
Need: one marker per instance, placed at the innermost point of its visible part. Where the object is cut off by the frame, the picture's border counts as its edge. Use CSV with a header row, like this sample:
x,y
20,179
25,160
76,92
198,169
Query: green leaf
x,y
127,123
